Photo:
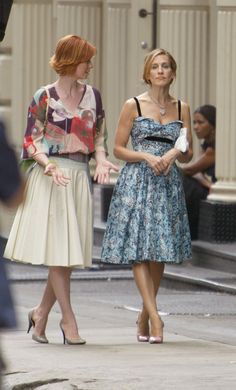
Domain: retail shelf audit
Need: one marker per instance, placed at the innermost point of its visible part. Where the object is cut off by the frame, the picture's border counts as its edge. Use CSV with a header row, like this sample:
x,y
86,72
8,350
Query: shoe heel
x,y
30,326
141,337
63,335
31,321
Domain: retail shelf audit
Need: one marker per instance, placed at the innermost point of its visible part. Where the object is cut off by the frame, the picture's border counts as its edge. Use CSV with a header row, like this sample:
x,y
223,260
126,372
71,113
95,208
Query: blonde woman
x,y
147,223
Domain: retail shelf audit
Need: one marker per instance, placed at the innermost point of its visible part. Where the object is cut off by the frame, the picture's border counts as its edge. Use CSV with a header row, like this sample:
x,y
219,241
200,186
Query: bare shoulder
x,y
142,96
130,103
129,107
210,151
185,107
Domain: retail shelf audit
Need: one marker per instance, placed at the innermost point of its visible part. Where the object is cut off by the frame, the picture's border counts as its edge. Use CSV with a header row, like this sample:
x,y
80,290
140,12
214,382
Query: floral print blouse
x,y
53,130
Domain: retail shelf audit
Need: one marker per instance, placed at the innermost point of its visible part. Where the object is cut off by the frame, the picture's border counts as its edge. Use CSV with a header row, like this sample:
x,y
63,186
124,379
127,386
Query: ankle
x,y
154,316
143,316
40,312
69,323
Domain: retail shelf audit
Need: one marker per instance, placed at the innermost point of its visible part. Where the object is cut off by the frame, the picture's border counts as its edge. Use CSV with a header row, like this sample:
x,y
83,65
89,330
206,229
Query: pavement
x,y
197,305
199,349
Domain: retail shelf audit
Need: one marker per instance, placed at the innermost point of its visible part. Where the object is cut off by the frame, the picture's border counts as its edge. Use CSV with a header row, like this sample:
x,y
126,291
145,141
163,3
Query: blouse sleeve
x,y
100,141
34,140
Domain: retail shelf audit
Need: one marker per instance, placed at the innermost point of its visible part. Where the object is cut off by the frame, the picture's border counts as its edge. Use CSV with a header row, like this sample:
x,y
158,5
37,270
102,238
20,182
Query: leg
x,y
60,281
156,272
40,312
144,282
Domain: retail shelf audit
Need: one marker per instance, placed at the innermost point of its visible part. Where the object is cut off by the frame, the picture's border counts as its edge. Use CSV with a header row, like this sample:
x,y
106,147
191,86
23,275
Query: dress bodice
x,y
147,127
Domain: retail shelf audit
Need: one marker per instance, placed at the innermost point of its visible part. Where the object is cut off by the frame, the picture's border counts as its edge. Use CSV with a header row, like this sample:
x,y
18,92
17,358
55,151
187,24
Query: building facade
x,y
201,35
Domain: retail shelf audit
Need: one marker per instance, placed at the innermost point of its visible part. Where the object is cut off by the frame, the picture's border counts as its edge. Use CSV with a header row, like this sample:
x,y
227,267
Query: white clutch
x,y
182,142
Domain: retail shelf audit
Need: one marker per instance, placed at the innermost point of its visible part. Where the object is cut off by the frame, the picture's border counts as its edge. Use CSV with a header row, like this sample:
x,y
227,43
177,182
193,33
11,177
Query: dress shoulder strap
x,y
179,109
138,106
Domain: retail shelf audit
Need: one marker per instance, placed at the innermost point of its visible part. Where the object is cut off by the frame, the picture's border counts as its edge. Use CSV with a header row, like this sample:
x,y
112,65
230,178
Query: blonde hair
x,y
71,50
149,60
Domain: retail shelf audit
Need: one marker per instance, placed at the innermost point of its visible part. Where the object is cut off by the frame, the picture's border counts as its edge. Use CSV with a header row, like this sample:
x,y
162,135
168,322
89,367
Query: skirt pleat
x,y
54,225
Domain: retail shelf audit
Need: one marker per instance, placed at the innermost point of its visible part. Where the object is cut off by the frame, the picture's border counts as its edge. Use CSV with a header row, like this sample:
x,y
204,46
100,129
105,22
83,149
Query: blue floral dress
x,y
147,219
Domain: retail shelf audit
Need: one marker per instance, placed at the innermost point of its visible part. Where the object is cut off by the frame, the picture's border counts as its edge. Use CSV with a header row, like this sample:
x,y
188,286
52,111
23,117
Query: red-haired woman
x,y
54,225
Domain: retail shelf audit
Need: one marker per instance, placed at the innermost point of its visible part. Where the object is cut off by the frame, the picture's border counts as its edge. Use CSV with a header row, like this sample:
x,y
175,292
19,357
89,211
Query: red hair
x,y
71,50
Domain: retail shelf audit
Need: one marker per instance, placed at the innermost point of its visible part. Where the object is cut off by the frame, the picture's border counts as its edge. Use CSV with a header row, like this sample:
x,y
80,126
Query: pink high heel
x,y
140,337
158,339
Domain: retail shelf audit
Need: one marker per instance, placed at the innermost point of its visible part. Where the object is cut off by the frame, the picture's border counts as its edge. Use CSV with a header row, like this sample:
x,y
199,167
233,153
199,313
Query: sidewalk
x,y
112,359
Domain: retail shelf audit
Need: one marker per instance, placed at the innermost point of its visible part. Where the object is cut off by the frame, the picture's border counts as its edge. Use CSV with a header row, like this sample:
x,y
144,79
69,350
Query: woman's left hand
x,y
170,158
102,171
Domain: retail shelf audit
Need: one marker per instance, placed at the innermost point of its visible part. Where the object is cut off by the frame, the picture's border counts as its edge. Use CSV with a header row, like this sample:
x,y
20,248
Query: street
x,y
199,349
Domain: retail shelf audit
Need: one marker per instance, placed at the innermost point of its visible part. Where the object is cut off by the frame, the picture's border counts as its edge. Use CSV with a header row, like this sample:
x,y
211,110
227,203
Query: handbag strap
x,y
46,112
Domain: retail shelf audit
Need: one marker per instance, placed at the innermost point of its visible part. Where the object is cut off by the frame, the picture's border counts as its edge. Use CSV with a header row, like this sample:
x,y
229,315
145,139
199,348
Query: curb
x,y
108,275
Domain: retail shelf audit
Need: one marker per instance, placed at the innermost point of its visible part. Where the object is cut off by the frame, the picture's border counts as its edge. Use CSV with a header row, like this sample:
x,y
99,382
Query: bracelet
x,y
51,162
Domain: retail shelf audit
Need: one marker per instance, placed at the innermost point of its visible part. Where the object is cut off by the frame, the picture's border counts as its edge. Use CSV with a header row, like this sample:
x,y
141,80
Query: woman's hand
x,y
157,163
58,177
162,164
102,171
202,180
169,158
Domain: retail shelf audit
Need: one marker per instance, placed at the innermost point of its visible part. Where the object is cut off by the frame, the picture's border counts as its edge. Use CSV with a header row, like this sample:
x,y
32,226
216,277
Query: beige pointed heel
x,y
77,341
39,339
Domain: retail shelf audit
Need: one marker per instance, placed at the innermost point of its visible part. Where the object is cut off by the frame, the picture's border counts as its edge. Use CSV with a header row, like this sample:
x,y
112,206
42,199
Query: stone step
x,y
221,257
179,277
201,277
213,265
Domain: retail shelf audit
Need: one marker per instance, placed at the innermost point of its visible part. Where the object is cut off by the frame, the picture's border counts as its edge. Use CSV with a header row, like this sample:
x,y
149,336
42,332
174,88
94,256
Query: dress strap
x,y
179,109
138,106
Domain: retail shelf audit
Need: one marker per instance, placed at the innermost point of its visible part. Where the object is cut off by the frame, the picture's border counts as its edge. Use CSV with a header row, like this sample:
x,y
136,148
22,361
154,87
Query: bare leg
x,y
40,314
60,281
144,282
156,272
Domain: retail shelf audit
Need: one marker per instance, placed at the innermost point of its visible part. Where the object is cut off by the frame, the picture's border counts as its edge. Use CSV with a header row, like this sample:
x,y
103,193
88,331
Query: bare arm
x,y
202,180
51,169
186,157
125,123
103,168
175,154
206,160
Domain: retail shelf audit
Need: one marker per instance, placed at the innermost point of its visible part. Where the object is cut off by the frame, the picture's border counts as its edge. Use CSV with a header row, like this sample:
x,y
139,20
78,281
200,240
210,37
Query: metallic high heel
x,y
158,339
141,338
77,341
39,339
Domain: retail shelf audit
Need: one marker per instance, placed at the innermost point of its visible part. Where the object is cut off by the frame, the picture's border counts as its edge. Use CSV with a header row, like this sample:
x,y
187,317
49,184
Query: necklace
x,y
162,109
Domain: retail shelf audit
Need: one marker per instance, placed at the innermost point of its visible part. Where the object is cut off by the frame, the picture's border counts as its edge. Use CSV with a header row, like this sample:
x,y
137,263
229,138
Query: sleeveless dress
x,y
147,219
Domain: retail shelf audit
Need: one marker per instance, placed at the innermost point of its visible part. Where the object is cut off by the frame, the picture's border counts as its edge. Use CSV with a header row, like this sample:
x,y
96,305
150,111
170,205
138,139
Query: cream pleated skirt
x,y
54,225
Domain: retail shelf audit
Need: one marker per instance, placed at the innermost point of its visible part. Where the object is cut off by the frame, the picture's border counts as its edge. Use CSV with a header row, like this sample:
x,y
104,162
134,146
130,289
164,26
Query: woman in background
x,y
200,175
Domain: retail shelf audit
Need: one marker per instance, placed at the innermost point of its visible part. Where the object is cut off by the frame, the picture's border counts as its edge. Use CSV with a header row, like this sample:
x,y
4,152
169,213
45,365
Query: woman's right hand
x,y
58,177
157,163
